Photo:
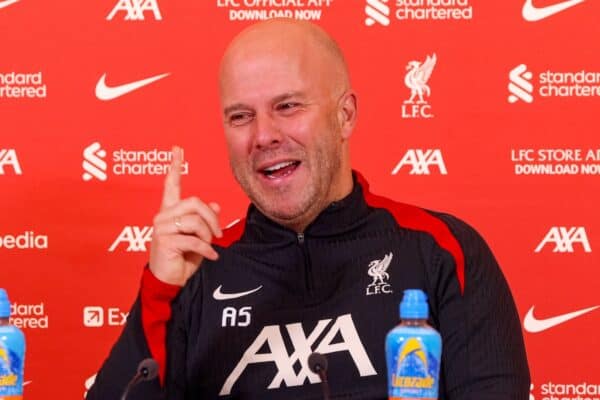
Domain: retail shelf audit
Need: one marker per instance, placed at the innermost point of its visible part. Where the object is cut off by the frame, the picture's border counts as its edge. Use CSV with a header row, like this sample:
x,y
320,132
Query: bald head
x,y
297,41
288,112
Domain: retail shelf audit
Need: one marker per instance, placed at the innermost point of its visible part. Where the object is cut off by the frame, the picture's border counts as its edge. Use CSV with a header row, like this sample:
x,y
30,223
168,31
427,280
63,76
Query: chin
x,y
284,208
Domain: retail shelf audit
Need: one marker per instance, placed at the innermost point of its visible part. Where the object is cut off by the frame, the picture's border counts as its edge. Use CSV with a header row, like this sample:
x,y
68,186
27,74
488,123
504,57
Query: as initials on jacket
x,y
303,347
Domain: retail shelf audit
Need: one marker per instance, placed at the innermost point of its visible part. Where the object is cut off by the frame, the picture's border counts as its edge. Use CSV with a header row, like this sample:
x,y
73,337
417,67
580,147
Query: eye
x,y
240,118
287,106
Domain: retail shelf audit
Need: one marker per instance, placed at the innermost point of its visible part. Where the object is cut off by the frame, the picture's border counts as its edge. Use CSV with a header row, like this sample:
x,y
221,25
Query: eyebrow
x,y
276,99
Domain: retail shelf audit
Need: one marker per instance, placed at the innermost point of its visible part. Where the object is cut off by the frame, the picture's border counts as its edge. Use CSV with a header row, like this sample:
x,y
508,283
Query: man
x,y
319,264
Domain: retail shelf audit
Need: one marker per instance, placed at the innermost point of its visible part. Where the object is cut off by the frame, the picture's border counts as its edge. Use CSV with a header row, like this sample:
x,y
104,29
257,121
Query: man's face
x,y
282,132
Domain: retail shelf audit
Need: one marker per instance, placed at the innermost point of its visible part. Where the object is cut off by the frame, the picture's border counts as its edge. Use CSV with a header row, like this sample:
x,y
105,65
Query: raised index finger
x,y
172,189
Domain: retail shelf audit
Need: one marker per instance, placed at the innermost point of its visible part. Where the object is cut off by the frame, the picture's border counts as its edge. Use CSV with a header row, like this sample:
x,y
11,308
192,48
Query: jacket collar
x,y
338,217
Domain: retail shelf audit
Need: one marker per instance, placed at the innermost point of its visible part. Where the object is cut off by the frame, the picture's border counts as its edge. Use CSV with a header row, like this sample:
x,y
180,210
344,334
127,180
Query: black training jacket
x,y
244,325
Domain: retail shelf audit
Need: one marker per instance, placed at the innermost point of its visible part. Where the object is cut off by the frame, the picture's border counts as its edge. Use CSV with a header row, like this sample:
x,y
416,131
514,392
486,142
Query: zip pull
x,y
301,238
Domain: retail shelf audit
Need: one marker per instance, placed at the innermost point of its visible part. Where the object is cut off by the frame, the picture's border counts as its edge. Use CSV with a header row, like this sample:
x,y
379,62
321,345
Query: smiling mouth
x,y
280,170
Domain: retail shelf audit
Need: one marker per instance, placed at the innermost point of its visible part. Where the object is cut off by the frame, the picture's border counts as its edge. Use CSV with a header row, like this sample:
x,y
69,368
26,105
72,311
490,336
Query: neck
x,y
299,224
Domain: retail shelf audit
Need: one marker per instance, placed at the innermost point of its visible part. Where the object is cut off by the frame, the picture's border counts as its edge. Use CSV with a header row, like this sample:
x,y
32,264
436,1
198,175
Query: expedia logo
x,y
26,240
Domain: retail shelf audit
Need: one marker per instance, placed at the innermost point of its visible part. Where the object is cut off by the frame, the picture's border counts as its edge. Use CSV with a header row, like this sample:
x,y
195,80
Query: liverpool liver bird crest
x,y
416,78
378,268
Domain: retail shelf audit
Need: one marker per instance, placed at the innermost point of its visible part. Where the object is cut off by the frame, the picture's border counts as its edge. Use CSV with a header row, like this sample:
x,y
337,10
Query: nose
x,y
268,133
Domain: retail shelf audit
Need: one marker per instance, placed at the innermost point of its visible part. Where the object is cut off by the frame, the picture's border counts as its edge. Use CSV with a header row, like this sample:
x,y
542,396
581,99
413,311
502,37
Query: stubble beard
x,y
298,211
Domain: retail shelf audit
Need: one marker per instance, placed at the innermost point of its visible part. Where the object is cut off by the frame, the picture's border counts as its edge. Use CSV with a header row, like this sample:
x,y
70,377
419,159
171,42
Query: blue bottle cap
x,y
4,304
414,305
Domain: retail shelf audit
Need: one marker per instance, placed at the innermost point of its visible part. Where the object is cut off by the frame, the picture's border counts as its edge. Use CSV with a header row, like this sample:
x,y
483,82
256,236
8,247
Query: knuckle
x,y
195,201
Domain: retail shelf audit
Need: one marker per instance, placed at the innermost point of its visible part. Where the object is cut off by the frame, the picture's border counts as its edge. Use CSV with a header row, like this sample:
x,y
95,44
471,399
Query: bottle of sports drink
x,y
413,352
12,354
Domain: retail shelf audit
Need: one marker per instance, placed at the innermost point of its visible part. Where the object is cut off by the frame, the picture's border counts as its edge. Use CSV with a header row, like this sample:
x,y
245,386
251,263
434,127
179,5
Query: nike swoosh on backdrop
x,y
534,325
218,295
532,13
103,92
7,3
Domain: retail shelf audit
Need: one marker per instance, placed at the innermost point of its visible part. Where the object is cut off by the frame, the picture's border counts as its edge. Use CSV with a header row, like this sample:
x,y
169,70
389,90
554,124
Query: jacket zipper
x,y
308,275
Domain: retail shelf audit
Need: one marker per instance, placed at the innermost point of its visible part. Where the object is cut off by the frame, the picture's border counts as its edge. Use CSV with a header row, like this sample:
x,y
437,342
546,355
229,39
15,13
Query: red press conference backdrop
x,y
500,129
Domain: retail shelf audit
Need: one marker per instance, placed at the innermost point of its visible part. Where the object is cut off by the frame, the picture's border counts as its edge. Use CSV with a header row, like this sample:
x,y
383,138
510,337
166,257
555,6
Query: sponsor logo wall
x,y
486,110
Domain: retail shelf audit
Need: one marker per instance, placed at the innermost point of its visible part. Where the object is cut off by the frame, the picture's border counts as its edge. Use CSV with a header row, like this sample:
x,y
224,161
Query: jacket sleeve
x,y
121,365
144,336
483,356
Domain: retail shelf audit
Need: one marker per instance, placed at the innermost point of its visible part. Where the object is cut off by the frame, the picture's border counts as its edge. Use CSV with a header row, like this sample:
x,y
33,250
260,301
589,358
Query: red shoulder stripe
x,y
417,219
231,233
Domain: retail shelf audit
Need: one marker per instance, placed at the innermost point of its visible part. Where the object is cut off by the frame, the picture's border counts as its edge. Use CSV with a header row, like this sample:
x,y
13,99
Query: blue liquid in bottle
x,y
413,352
12,354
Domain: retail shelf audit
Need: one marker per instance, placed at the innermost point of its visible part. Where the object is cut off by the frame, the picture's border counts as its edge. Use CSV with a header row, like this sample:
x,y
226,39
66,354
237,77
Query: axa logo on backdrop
x,y
421,161
135,10
126,162
416,79
134,237
9,159
564,239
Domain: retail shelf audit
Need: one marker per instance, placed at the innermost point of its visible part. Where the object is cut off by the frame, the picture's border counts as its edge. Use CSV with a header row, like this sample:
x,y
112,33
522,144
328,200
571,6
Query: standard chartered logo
x,y
17,85
126,162
29,316
377,12
93,163
383,11
547,84
520,87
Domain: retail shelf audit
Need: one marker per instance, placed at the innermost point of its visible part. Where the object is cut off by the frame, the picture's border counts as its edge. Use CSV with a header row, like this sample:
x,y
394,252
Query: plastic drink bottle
x,y
413,352
12,354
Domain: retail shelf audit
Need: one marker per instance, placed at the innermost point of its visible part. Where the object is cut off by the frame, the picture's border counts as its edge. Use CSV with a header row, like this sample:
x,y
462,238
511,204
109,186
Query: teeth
x,y
279,166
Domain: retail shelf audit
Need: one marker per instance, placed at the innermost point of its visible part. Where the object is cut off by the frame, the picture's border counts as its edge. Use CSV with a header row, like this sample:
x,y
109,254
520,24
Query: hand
x,y
183,231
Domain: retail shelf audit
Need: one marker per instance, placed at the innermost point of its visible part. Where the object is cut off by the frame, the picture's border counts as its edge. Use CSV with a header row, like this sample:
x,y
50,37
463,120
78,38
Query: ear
x,y
347,112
